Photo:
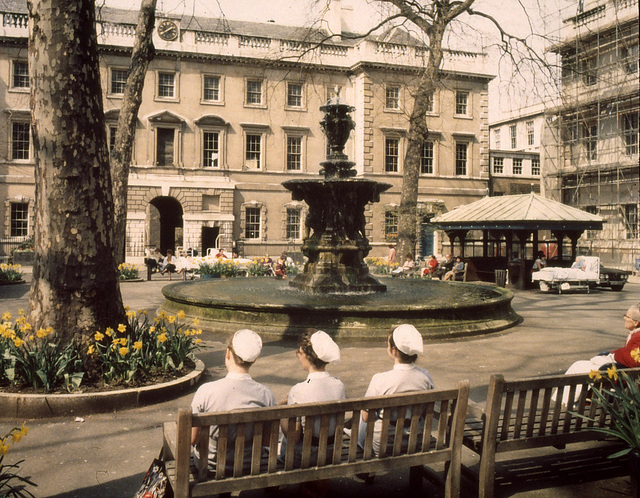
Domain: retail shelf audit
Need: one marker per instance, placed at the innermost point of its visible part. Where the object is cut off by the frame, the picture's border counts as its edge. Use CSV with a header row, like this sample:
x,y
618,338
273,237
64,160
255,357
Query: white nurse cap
x,y
324,347
247,345
407,339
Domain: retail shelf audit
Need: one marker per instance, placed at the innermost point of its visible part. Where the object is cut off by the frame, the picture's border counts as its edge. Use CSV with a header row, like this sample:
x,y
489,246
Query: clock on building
x,y
168,30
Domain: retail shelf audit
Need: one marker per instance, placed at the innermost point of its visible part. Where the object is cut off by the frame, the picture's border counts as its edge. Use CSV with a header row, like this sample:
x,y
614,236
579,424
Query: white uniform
x,y
318,386
402,378
233,392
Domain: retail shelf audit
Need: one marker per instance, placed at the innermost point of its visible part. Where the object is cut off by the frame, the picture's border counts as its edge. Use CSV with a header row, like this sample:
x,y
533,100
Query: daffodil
x,y
20,311
98,336
612,373
20,433
122,328
109,331
162,337
595,374
152,329
171,319
91,349
131,314
196,322
137,345
198,341
635,354
41,333
6,316
18,342
180,315
4,448
123,351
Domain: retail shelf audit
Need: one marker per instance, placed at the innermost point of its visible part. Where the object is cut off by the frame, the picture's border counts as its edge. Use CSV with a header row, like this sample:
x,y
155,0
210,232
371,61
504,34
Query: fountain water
x,y
335,292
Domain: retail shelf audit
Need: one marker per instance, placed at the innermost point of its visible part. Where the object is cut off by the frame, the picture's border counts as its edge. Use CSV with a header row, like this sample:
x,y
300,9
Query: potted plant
x,y
618,394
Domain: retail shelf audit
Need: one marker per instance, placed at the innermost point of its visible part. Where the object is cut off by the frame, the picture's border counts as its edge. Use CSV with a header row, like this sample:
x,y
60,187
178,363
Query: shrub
x,y
10,273
145,347
39,358
219,268
127,271
12,484
257,268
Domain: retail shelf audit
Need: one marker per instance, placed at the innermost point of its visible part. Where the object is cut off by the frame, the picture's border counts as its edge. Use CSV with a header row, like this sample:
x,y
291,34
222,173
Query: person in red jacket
x,y
629,354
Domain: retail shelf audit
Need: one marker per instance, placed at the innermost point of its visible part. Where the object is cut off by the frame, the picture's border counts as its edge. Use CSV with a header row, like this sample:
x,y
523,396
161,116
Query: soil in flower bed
x,y
99,386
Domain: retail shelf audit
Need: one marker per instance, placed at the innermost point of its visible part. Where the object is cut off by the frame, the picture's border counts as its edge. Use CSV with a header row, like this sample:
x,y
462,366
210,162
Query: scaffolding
x,y
590,151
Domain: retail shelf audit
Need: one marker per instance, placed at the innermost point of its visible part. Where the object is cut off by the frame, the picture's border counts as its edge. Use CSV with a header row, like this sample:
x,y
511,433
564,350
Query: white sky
x,y
520,17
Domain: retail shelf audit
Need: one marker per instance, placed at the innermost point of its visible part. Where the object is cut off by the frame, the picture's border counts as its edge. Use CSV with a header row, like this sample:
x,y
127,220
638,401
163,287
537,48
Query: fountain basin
x,y
439,310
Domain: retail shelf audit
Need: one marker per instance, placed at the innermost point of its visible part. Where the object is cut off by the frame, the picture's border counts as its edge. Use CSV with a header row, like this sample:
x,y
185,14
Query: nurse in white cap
x,y
235,391
404,344
316,349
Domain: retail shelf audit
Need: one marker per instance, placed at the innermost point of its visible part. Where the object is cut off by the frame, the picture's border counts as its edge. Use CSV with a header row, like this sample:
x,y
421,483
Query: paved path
x,y
105,455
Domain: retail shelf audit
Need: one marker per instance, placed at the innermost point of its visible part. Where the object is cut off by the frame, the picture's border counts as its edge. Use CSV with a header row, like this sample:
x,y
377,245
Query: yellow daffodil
x,y
595,374
612,373
152,329
187,333
41,333
123,351
131,314
171,319
30,337
198,341
137,345
162,337
18,342
196,322
49,330
198,331
98,336
6,316
162,315
91,350
635,354
180,315
27,326
109,331
20,433
21,320
4,448
122,327
20,311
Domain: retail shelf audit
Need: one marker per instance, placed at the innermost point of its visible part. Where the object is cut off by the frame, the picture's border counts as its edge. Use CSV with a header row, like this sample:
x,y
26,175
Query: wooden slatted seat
x,y
431,433
525,414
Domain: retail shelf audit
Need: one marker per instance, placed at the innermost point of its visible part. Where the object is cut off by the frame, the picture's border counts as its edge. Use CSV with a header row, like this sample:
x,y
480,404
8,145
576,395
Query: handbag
x,y
154,484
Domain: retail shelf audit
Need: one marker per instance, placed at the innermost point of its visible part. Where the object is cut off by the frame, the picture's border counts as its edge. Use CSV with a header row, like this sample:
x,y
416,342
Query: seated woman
x,y
431,267
315,351
404,344
281,266
628,356
169,264
407,268
457,269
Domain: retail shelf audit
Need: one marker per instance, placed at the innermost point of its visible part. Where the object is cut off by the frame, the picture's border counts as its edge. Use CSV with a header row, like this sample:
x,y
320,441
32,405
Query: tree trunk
x,y
75,283
142,54
418,134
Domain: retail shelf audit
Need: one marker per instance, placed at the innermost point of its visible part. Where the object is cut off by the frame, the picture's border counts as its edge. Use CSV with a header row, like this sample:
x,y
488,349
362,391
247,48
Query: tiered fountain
x,y
336,244
335,292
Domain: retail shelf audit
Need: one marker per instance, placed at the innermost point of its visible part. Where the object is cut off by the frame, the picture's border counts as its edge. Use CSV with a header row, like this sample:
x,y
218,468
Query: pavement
x,y
106,455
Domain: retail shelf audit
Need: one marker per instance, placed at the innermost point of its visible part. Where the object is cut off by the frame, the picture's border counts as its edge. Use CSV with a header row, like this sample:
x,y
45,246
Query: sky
x,y
524,18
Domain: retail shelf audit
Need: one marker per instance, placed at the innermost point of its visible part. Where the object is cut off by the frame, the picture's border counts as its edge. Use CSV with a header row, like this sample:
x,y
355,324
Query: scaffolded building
x,y
591,147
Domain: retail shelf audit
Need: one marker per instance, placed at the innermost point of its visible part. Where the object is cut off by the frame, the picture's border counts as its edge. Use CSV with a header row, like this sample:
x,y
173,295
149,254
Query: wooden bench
x,y
525,414
440,412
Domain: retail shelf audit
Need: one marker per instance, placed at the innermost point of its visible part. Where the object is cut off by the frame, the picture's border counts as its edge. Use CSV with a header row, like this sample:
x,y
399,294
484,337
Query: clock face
x,y
167,30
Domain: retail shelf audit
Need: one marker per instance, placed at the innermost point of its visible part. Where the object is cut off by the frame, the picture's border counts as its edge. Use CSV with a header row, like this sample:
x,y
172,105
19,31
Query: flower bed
x,y
380,266
132,354
219,268
127,271
10,273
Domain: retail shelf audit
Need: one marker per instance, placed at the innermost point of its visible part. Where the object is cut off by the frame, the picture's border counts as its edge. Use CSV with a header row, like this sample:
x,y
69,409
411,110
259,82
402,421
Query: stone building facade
x,y
230,111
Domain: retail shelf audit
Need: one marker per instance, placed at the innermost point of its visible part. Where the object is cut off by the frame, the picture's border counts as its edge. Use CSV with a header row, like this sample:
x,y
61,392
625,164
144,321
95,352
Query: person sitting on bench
x,y
235,391
457,269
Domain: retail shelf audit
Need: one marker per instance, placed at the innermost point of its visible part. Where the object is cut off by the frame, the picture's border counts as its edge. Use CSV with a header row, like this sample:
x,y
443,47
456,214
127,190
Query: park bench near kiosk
x,y
524,414
434,419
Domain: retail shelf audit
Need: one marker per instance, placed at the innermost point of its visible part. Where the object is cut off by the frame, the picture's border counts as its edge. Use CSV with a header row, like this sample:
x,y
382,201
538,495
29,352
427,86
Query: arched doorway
x,y
164,222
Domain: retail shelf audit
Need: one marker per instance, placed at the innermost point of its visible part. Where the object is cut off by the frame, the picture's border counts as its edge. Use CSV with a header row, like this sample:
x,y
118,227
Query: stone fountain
x,y
335,292
335,244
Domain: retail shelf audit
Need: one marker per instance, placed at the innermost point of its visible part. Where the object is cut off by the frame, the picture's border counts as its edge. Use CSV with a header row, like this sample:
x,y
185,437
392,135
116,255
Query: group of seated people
x,y
279,269
448,270
316,350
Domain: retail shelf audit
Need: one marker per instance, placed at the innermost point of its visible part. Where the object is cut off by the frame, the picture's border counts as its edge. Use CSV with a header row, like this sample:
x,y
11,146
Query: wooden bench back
x,y
435,425
530,413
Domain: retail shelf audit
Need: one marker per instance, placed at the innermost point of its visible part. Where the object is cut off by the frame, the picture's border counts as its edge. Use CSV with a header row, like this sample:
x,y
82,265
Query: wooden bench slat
x,y
338,438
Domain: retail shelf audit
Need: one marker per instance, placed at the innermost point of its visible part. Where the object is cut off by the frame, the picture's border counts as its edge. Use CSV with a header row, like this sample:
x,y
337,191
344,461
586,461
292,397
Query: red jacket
x,y
623,355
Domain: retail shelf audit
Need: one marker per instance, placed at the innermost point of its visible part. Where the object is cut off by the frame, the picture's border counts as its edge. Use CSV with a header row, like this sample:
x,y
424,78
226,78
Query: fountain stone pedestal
x,y
335,243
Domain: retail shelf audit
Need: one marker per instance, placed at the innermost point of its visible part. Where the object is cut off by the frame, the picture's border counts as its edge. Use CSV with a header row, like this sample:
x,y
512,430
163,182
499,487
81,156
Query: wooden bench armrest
x,y
169,439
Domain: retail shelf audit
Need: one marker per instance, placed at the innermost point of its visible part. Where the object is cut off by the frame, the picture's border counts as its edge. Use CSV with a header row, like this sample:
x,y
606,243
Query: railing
x,y
9,244
14,20
211,37
254,42
113,29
